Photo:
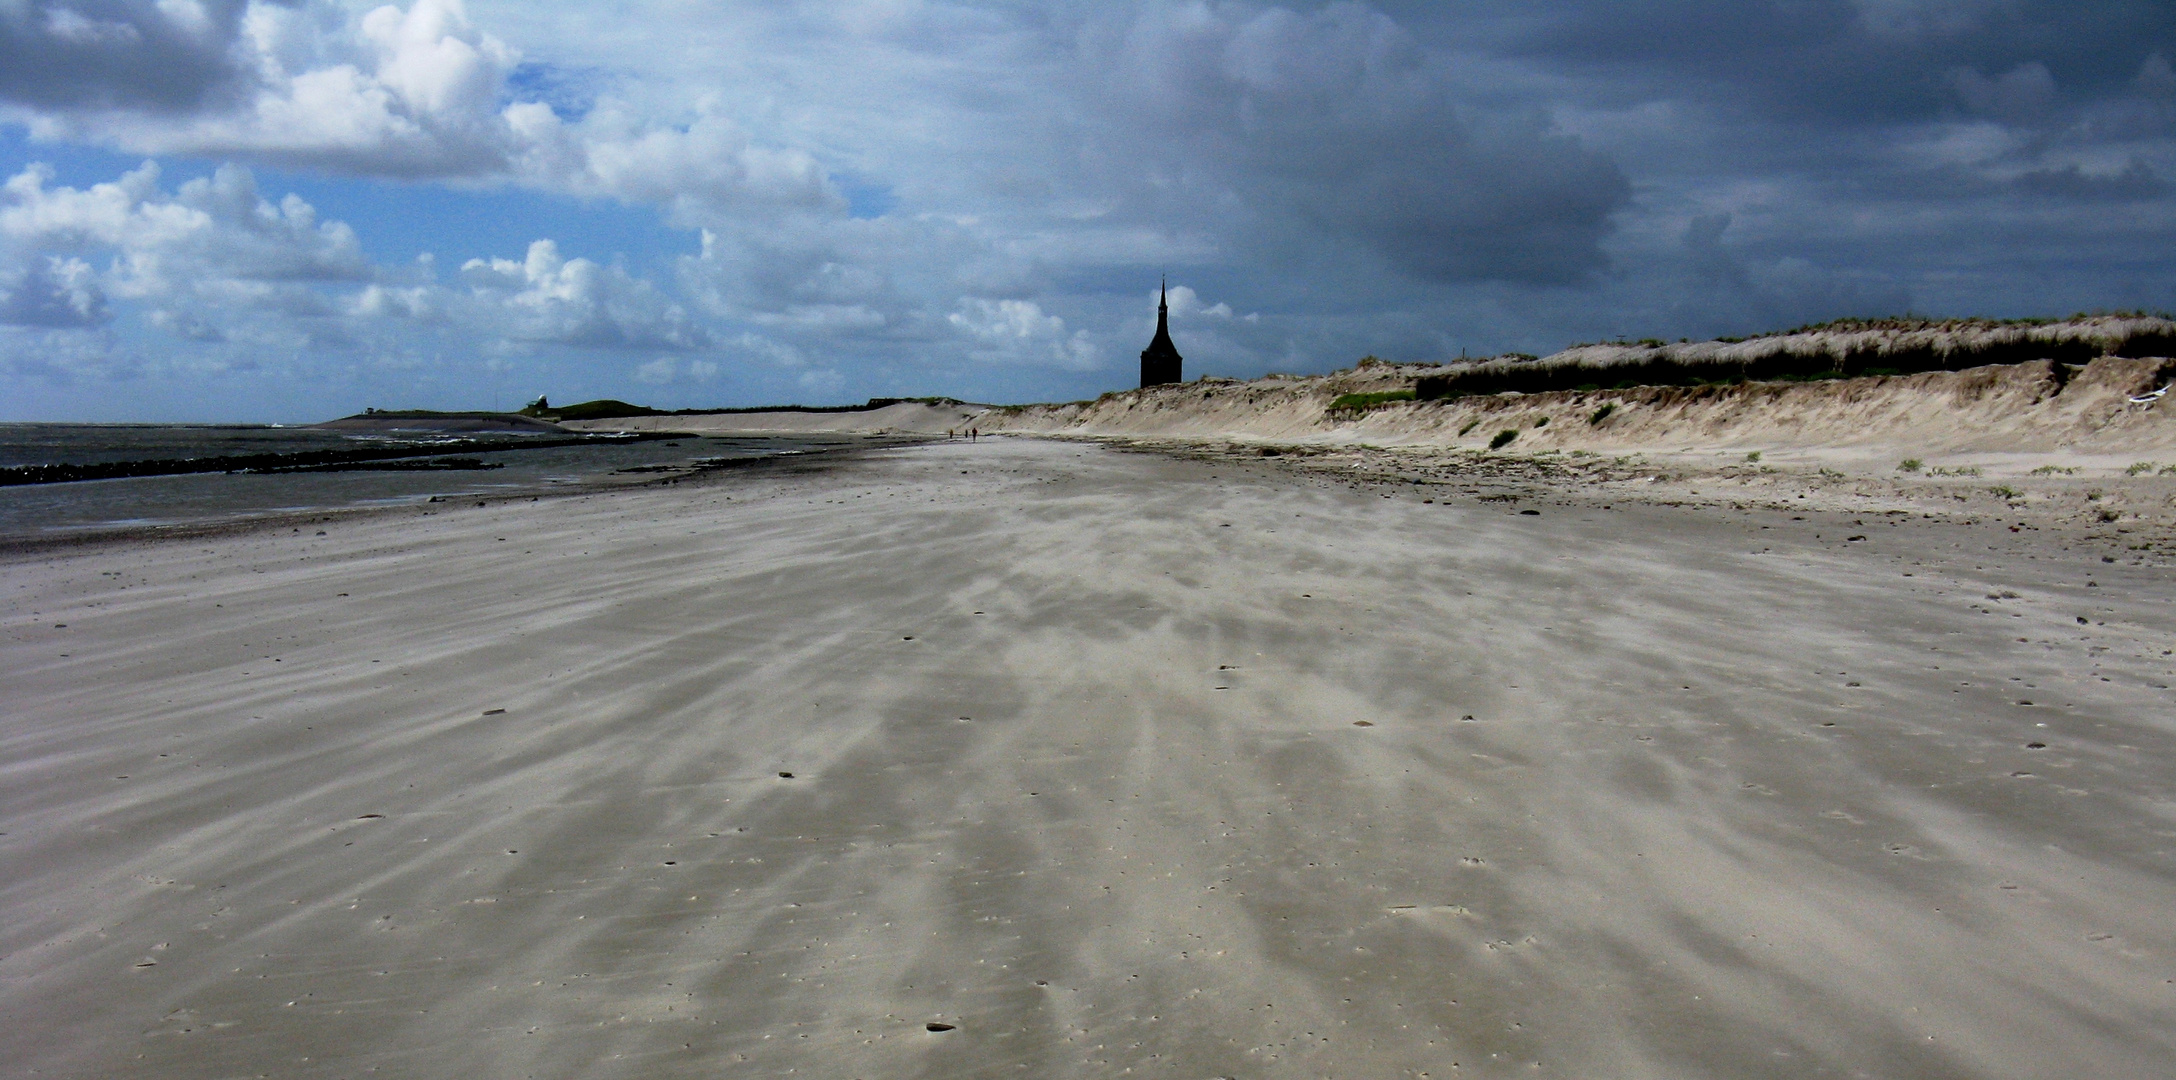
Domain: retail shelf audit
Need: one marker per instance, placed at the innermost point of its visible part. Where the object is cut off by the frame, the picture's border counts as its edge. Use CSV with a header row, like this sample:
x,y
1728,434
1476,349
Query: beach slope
x,y
1027,758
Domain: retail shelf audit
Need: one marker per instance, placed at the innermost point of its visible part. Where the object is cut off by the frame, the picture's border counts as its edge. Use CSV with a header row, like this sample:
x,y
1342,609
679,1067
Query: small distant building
x,y
1160,361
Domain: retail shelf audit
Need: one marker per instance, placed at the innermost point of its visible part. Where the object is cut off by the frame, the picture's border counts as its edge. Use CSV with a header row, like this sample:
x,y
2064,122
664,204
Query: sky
x,y
289,210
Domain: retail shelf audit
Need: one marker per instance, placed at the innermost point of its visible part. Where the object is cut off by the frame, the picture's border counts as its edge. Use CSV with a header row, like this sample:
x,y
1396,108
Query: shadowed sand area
x,y
1077,768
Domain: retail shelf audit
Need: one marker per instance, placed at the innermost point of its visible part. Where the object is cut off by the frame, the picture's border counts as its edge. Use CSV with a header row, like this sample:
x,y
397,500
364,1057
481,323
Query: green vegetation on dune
x,y
1910,323
600,409
429,414
1361,403
1848,349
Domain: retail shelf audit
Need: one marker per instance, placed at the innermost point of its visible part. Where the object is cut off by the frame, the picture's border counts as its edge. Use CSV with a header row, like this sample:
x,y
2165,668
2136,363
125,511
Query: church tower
x,y
1160,361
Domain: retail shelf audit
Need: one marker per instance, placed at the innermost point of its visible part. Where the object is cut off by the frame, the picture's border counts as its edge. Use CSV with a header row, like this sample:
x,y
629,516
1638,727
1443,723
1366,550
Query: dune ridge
x,y
1849,347
2076,392
2040,406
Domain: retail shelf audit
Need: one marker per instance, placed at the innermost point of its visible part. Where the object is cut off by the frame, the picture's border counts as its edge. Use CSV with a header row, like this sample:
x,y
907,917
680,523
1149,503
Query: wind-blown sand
x,y
1078,767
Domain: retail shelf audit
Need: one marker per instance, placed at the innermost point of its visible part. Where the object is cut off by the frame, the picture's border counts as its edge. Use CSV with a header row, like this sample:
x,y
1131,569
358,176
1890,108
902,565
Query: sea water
x,y
35,510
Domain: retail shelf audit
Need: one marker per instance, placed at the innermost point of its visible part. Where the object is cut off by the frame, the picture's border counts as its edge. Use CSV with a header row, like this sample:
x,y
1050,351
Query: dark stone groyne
x,y
296,461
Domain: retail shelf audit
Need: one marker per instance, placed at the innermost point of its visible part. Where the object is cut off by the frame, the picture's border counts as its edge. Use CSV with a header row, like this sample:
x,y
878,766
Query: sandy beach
x,y
1045,759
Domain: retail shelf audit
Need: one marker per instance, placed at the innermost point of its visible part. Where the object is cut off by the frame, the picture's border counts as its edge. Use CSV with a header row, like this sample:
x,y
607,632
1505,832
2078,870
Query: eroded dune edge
x,y
1936,390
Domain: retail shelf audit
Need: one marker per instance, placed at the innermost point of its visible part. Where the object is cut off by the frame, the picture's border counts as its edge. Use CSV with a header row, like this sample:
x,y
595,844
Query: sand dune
x,y
1103,761
2072,408
2002,409
1846,347
903,418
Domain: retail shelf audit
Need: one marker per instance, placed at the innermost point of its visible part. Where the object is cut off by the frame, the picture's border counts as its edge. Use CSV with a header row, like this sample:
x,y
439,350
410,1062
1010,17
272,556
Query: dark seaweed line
x,y
18,475
452,464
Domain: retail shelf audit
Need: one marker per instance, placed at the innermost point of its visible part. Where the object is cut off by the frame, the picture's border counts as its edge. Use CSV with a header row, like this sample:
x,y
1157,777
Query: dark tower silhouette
x,y
1160,361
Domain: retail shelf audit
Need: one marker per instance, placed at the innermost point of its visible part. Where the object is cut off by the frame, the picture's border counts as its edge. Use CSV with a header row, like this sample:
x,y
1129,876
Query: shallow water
x,y
198,498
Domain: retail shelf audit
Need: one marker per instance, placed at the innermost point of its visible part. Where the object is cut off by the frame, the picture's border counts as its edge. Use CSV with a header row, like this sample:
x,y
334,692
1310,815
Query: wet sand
x,y
1106,761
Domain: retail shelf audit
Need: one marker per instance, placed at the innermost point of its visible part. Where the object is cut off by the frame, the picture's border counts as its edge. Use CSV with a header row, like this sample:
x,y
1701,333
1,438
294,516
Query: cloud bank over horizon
x,y
246,209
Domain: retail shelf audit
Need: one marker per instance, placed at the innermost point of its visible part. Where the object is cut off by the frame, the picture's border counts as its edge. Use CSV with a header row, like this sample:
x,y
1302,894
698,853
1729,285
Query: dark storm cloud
x,y
1851,95
1340,120
132,54
1851,62
1820,158
1725,293
2136,182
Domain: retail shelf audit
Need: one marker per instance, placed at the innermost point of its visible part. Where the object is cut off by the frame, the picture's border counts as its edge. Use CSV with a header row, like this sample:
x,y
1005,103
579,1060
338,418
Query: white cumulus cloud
x,y
1017,331
52,291
423,92
212,244
549,298
1185,302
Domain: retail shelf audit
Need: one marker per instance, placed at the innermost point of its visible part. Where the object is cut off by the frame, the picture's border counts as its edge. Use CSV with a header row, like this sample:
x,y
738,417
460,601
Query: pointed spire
x,y
1160,361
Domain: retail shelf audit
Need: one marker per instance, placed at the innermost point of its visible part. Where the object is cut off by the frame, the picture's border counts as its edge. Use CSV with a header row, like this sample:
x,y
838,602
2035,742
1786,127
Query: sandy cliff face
x,y
2041,407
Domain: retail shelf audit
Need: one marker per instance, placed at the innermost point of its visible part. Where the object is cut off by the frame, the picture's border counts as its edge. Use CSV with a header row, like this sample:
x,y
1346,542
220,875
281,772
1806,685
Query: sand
x,y
1111,762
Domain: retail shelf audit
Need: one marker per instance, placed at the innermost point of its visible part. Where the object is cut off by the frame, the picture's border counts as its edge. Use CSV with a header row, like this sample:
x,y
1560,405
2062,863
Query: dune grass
x,y
1360,403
